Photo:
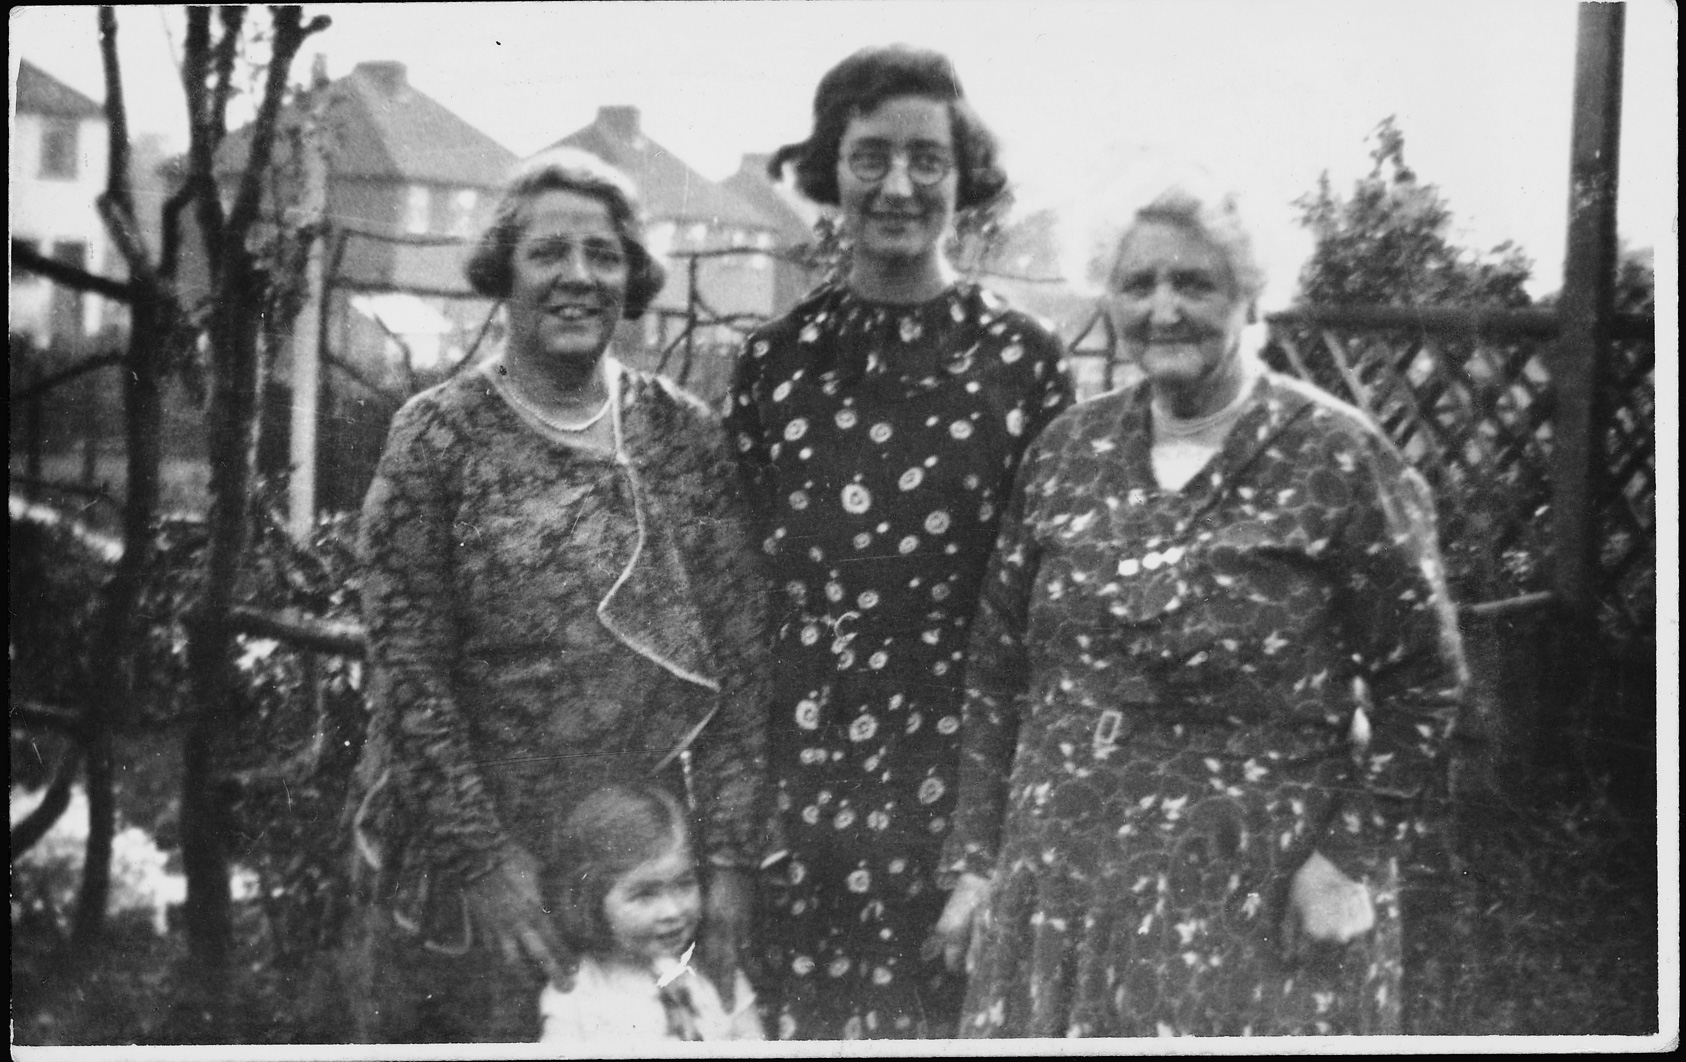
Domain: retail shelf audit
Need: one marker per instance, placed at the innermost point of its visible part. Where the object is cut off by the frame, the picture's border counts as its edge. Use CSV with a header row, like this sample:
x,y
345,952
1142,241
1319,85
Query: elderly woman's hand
x,y
507,909
1325,906
961,925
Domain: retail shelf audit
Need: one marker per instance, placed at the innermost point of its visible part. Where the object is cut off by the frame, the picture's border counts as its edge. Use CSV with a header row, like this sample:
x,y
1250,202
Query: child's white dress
x,y
614,1002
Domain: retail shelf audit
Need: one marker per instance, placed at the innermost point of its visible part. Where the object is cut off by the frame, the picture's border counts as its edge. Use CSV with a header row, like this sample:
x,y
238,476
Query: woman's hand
x,y
1325,906
726,914
507,909
960,928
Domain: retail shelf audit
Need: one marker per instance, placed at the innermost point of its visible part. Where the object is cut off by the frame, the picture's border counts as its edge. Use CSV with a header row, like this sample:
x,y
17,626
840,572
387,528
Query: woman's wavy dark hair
x,y
612,831
490,266
859,85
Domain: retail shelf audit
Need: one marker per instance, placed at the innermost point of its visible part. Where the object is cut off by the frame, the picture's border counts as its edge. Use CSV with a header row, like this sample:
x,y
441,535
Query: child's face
x,y
653,909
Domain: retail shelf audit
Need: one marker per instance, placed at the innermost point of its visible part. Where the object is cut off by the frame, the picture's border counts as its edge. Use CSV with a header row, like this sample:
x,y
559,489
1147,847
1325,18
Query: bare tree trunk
x,y
239,288
152,324
233,405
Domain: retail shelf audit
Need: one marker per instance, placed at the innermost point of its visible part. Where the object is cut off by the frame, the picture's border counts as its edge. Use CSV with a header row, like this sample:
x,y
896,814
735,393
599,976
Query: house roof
x,y
39,92
671,190
752,185
382,129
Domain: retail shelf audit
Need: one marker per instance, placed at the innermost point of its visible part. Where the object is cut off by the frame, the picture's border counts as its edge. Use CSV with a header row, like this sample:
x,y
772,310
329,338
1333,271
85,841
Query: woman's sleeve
x,y
1053,377
729,759
997,679
407,546
744,432
1401,628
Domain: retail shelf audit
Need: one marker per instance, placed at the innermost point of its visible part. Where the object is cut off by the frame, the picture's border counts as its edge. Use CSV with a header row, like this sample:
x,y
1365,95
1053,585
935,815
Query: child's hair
x,y
612,831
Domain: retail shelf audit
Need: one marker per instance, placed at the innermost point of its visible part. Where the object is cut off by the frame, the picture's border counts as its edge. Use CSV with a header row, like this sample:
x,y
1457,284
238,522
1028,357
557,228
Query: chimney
x,y
621,122
387,76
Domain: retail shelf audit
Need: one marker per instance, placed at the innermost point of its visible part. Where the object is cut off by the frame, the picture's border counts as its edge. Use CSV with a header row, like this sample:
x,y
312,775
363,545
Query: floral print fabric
x,y
517,593
881,442
1161,723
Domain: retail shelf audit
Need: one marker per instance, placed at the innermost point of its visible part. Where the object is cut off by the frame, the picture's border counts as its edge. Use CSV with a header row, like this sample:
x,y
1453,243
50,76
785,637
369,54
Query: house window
x,y
22,277
463,202
65,320
697,234
417,210
59,159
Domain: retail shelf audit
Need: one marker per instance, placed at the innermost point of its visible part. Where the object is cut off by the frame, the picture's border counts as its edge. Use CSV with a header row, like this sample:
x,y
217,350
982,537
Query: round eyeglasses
x,y
924,168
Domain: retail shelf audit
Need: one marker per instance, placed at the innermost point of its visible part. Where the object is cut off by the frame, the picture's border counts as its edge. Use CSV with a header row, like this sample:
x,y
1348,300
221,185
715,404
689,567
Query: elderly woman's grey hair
x,y
565,169
1190,199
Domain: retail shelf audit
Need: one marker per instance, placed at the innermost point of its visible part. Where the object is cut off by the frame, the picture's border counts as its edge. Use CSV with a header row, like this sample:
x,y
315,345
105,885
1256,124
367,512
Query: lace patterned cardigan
x,y
517,593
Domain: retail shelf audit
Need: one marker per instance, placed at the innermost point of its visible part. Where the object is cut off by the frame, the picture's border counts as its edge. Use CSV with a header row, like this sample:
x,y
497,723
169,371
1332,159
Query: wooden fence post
x,y
1586,310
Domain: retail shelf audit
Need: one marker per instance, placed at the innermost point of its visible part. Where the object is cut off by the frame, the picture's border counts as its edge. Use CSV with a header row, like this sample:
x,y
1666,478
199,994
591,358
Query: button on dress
x,y
881,442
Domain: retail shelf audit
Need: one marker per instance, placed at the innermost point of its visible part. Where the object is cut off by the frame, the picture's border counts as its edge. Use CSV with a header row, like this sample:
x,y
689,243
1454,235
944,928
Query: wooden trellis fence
x,y
1468,396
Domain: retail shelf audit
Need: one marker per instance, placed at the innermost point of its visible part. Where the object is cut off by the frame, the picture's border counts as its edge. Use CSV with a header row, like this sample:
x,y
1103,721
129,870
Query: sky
x,y
1270,93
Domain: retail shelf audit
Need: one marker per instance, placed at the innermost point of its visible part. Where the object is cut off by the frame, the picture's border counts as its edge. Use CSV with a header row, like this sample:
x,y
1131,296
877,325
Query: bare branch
x,y
222,63
344,639
67,721
116,118
359,376
289,37
201,155
27,258
81,368
35,825
120,225
170,253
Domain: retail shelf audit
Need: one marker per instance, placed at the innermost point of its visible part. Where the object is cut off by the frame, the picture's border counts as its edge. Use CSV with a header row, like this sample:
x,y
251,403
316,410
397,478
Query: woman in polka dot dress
x,y
880,422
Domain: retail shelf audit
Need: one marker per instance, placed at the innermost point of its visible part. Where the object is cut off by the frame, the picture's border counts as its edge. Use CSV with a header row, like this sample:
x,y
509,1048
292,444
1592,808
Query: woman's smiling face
x,y
896,218
1175,306
568,278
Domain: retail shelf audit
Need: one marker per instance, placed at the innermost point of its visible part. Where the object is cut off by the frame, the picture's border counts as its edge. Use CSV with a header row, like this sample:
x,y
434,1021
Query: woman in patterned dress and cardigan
x,y
1211,683
879,424
559,593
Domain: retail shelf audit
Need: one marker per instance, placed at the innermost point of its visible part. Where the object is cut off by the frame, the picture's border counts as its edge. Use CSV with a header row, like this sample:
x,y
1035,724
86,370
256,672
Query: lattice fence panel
x,y
1471,414
1474,414
1627,498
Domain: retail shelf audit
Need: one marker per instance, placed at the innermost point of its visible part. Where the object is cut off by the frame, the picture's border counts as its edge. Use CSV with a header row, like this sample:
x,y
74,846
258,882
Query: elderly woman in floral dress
x,y
879,423
1211,684
559,594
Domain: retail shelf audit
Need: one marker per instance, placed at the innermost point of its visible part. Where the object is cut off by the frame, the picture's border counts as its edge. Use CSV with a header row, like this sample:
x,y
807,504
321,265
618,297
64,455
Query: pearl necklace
x,y
514,392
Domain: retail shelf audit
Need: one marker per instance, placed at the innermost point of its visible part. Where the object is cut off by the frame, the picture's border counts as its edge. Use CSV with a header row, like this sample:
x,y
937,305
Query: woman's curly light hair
x,y
491,261
1187,196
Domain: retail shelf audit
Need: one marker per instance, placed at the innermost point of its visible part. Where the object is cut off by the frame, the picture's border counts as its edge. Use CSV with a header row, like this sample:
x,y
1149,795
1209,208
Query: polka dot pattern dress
x,y
882,442
1178,696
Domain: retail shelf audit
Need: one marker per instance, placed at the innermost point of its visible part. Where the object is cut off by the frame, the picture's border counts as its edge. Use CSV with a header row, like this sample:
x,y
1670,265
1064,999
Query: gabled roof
x,y
752,185
671,190
381,129
39,92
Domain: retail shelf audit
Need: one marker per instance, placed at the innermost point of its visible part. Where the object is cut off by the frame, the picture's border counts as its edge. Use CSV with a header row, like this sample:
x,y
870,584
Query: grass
x,y
1549,930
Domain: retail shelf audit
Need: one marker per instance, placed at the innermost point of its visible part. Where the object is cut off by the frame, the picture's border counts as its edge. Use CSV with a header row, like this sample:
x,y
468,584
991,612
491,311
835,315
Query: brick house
x,y
687,212
791,217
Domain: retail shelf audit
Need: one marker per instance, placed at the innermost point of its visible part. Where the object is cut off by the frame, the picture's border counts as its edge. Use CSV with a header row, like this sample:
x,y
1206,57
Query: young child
x,y
630,904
